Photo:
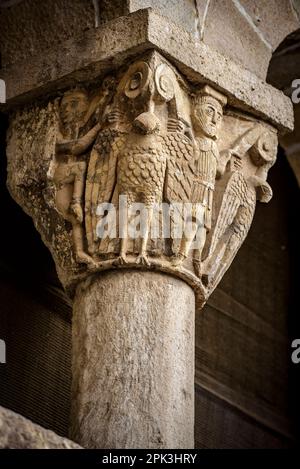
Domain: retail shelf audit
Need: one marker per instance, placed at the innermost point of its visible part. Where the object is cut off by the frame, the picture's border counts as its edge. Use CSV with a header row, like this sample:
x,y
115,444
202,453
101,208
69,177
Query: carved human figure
x,y
77,132
71,164
207,114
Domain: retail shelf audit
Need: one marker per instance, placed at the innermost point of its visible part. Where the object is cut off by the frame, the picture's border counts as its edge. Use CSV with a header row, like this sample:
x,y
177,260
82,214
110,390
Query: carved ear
x,y
136,80
165,80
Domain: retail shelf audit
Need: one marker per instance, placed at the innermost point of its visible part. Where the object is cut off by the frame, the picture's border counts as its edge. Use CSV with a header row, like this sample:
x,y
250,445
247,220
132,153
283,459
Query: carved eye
x,y
138,81
135,81
265,149
209,111
165,79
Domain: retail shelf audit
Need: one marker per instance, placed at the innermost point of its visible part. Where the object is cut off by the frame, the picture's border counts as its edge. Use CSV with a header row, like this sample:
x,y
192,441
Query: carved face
x,y
73,107
207,116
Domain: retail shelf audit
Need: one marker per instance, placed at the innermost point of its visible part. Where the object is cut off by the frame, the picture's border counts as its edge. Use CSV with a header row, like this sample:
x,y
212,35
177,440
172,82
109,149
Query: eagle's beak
x,y
146,123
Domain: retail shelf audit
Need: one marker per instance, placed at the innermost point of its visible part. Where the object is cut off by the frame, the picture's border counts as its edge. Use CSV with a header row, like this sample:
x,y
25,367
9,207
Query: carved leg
x,y
201,235
76,208
122,259
81,256
185,245
123,240
193,224
142,257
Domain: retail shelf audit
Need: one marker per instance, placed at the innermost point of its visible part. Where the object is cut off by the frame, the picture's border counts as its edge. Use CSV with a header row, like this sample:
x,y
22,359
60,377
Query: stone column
x,y
161,109
133,362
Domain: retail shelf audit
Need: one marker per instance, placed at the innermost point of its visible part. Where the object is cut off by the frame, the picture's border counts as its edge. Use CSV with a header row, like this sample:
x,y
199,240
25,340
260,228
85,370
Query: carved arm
x,y
79,146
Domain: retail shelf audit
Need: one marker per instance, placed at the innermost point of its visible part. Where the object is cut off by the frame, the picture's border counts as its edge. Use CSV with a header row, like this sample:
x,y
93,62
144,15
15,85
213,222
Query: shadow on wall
x,y
34,321
284,69
246,385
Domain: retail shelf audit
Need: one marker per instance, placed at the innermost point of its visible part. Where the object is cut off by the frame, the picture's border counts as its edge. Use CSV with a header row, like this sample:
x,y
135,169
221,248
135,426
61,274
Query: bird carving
x,y
240,191
139,155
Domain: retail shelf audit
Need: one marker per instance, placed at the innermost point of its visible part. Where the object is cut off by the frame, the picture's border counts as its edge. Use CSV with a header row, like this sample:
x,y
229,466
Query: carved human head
x,y
73,107
207,112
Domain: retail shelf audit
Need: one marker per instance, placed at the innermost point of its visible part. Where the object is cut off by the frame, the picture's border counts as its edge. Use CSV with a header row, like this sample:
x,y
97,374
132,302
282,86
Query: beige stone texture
x,y
17,432
275,19
109,9
296,6
228,31
133,329
89,148
187,13
98,51
133,362
31,27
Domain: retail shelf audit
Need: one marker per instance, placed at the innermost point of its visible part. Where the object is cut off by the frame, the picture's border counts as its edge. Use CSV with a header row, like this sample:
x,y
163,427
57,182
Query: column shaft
x,y
133,362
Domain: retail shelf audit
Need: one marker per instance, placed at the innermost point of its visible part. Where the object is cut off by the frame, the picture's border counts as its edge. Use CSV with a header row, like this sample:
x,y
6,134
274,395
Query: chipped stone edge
x,y
99,51
17,432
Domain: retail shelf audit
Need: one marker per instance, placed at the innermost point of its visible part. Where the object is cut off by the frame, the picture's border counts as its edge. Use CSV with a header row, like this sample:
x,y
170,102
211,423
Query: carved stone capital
x,y
141,170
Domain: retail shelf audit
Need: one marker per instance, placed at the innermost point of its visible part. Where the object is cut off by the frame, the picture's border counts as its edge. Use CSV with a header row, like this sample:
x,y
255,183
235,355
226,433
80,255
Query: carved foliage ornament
x,y
149,172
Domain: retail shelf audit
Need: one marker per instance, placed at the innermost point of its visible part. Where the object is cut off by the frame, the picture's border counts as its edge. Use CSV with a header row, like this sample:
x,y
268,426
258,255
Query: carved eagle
x,y
135,156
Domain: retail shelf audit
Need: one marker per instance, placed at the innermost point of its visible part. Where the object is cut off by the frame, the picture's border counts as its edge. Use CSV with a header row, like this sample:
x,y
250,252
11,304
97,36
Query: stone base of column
x,y
133,362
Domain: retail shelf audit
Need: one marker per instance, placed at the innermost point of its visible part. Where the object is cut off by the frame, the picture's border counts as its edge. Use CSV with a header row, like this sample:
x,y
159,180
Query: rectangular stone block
x,y
30,27
227,30
275,19
102,50
185,13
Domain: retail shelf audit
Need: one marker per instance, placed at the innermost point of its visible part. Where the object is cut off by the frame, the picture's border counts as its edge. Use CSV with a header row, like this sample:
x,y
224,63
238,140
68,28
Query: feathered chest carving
x,y
141,169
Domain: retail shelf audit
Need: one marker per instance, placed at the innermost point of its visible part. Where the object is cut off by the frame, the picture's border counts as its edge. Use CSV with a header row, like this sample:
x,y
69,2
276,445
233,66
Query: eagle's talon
x,y
93,266
122,260
177,260
83,258
142,259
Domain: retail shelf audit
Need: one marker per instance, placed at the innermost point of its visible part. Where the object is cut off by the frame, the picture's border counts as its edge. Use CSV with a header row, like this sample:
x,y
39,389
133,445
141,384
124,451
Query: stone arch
x,y
284,69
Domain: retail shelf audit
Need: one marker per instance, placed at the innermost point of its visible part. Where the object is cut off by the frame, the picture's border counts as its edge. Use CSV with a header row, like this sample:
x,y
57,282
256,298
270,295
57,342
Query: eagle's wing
x,y
233,222
101,180
180,173
234,195
180,168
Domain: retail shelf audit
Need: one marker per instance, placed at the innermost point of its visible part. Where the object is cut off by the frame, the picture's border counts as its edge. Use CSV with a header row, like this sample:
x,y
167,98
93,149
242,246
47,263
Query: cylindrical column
x,y
133,362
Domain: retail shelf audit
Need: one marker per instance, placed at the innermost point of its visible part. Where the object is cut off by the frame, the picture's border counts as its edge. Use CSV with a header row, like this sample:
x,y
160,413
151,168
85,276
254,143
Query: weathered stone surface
x,y
99,51
296,6
109,10
186,13
228,31
30,27
90,148
133,333
274,19
17,432
133,362
201,63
